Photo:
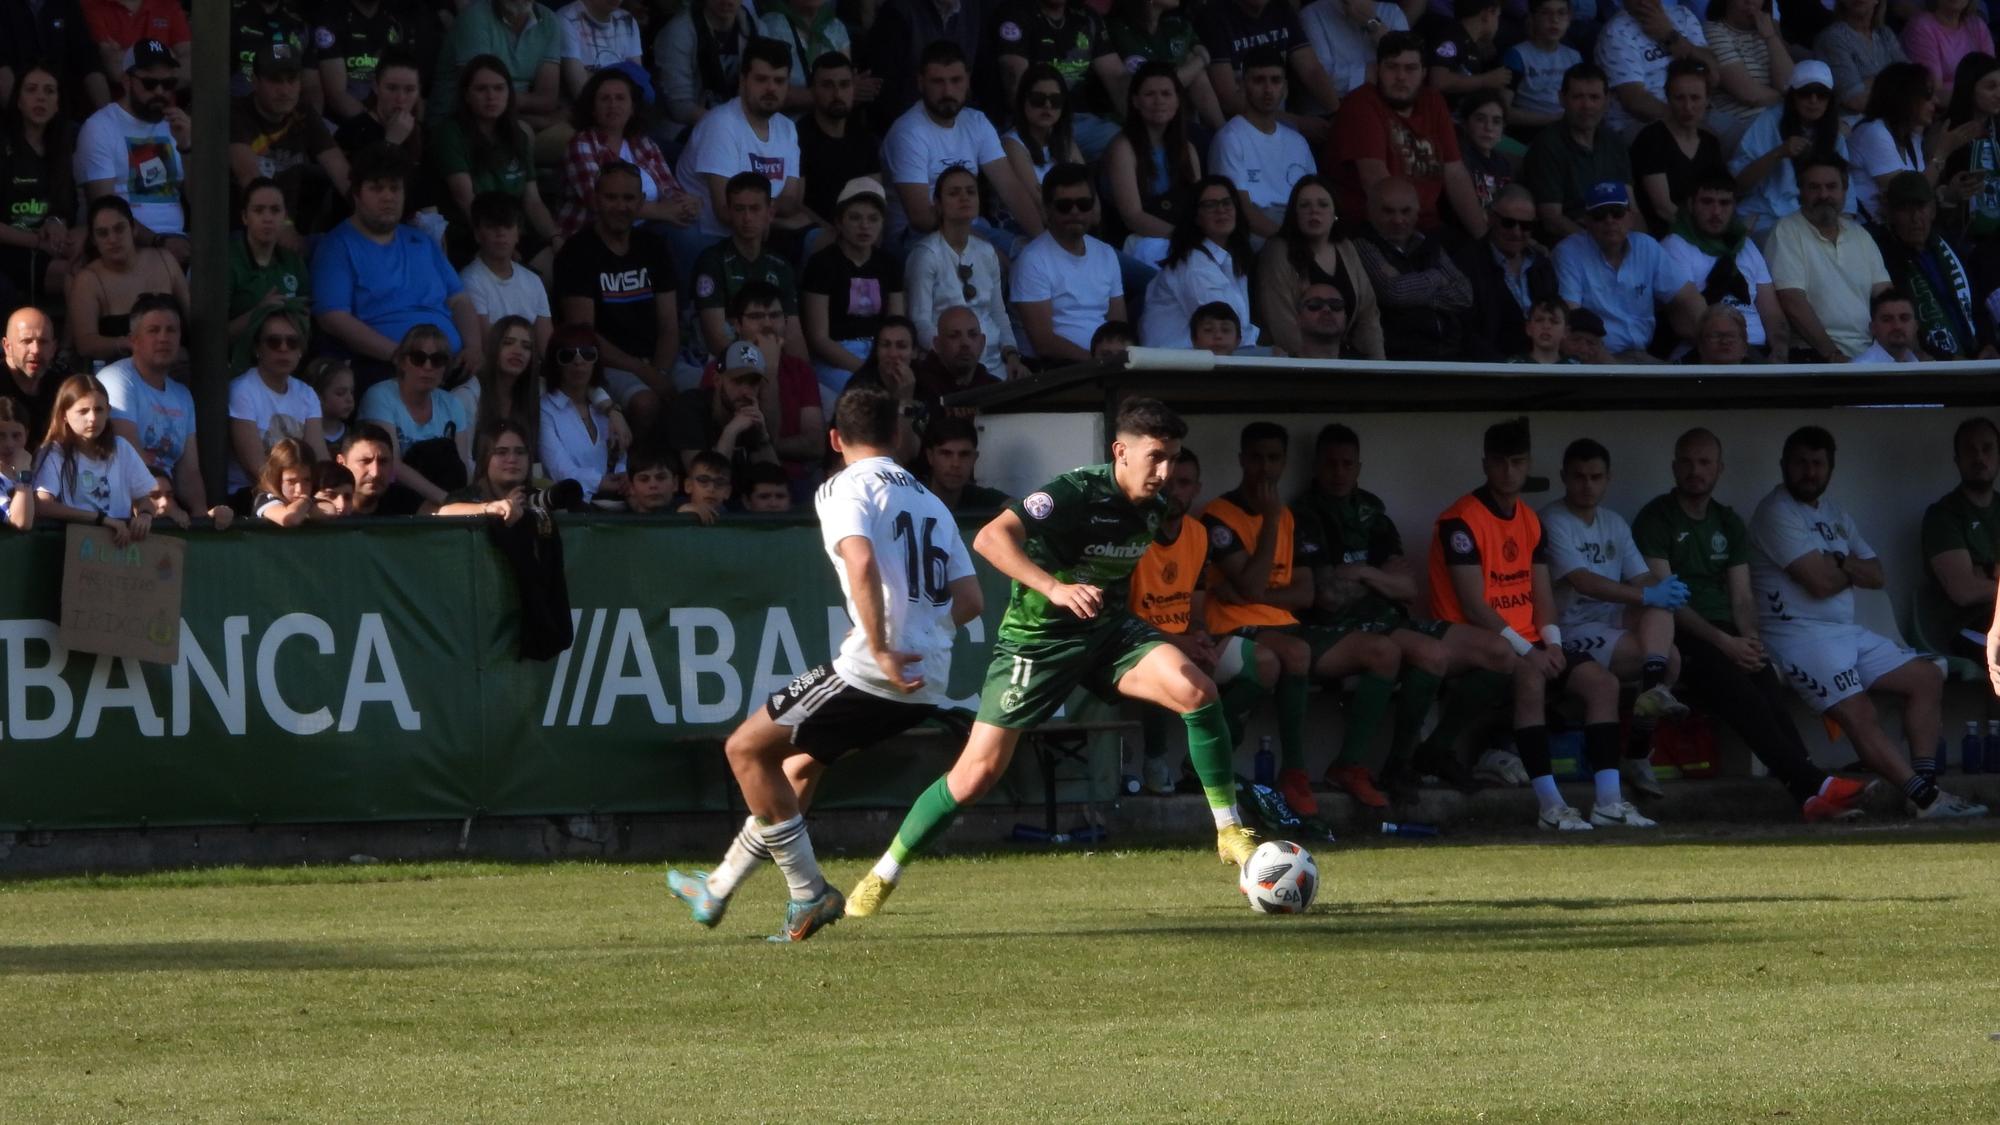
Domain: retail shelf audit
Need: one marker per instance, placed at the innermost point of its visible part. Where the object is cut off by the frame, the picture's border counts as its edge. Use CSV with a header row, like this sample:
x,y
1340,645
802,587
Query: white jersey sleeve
x,y
1783,531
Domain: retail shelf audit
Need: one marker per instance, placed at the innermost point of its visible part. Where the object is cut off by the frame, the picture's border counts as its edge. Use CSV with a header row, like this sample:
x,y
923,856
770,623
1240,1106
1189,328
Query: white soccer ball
x,y
1281,878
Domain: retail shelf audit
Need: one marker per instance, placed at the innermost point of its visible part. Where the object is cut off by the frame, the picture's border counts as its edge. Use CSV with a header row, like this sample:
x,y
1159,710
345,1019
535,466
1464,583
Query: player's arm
x,y
968,601
1003,542
1819,574
1863,574
1961,581
1395,579
1469,583
864,581
1689,623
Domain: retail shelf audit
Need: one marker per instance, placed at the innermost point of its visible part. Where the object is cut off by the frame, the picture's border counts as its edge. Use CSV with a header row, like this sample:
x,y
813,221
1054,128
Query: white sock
x,y
887,870
792,851
1225,816
745,853
1607,787
1547,793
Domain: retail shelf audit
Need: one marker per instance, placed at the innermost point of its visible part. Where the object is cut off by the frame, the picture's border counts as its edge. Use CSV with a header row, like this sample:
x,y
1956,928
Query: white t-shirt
x,y
1344,50
917,151
1080,289
1263,165
914,536
1208,274
141,161
1603,547
1749,262
1876,353
1628,54
111,485
276,415
521,295
1873,153
1782,531
723,144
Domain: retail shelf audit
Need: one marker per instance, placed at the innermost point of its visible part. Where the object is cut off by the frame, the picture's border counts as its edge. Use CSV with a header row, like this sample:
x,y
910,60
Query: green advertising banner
x,y
371,673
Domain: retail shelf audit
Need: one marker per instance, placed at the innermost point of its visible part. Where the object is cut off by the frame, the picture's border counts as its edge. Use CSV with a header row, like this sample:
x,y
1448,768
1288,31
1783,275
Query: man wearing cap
x,y
272,134
133,148
1892,323
1924,264
790,395
255,24
1623,276
726,416
1575,153
1763,161
1714,249
1825,267
118,26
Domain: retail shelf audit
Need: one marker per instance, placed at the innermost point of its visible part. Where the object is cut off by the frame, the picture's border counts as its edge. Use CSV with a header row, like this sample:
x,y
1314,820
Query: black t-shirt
x,y
621,286
32,409
1654,151
1228,31
1021,28
857,297
251,26
28,194
399,500
359,39
1450,47
827,163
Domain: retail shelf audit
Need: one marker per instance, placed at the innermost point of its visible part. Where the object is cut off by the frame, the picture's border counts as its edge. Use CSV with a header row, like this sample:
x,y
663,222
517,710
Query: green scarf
x,y
1725,246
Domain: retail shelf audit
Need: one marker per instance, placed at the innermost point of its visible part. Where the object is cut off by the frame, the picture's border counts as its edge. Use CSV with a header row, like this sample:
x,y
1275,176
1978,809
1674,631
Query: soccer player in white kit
x,y
1807,556
909,585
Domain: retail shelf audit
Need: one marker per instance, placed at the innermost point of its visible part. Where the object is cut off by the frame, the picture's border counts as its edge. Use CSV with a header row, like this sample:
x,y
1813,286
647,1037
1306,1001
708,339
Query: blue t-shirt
x,y
382,403
1624,297
1538,75
392,288
164,417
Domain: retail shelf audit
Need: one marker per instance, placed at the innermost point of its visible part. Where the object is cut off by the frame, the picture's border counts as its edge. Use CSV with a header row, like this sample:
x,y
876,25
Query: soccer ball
x,y
1281,878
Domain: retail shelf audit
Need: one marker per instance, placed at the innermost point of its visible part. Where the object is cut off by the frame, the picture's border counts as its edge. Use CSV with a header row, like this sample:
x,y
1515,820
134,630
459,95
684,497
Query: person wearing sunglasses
x,y
1509,274
429,424
1322,319
1623,276
1767,159
133,148
266,404
1066,283
1044,132
952,268
575,443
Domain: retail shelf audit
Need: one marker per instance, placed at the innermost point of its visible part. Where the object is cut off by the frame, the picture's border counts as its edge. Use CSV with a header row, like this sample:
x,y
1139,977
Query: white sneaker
x,y
1639,776
1949,806
1658,702
1160,776
1620,815
1562,818
1501,768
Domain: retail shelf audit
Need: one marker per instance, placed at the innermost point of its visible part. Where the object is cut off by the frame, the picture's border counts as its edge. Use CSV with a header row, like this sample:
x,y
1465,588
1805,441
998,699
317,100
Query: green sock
x,y
1291,696
1413,706
1372,697
1471,699
1239,698
1213,757
927,820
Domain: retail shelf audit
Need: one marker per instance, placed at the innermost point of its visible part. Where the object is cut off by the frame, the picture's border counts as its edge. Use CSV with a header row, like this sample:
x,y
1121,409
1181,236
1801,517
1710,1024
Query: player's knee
x,y
1427,655
1293,658
1381,657
1191,693
973,778
1491,652
1593,684
1267,665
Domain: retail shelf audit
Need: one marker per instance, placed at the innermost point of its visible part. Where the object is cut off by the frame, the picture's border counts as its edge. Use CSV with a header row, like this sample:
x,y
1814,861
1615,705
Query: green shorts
x,y
1028,680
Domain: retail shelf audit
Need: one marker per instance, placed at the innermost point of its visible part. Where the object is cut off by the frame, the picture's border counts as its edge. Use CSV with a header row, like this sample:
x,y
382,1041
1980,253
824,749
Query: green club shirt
x,y
1956,524
1082,530
1700,552
1338,531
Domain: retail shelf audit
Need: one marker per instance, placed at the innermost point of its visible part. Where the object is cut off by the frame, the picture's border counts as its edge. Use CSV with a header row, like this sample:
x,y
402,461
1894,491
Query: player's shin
x,y
925,822
745,853
1213,758
791,849
1413,705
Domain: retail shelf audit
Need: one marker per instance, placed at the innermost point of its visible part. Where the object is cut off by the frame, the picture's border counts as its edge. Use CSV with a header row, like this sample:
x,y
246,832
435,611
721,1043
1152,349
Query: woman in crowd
x,y
333,380
501,485
506,385
575,444
1208,260
610,119
849,287
285,487
38,193
1756,66
1305,252
1144,31
263,273
1151,166
1891,137
1857,47
1767,159
115,274
267,405
1044,134
1938,37
1975,97
482,147
697,55
1671,155
1484,117
433,434
952,267
86,474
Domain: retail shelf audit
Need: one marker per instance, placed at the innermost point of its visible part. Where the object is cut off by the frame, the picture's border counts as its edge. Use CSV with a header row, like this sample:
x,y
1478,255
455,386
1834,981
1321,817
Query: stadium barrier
x,y
369,673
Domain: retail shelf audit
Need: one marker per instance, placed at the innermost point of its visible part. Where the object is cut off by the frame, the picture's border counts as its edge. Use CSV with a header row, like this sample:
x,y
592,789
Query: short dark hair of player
x,y
1263,58
1215,310
712,461
1398,43
942,52
1586,449
1066,175
379,163
754,292
1812,439
866,415
774,53
495,210
1256,432
1888,296
1187,457
1149,418
1584,72
1970,427
363,433
650,455
1700,435
1334,435
951,427
1112,331
1508,439
831,60
746,183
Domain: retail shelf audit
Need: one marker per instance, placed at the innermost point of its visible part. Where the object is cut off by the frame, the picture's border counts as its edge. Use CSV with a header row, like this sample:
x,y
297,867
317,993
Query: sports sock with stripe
x,y
744,854
1290,697
922,825
1413,705
792,850
1921,790
1213,758
1653,672
1372,696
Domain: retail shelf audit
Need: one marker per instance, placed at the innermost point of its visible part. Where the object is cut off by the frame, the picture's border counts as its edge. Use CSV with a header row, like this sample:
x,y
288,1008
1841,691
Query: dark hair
x,y
1551,304
399,58
1812,439
331,474
1181,171
489,434
1584,72
756,291
774,53
709,458
1254,432
1060,137
648,455
522,402
1586,449
1714,181
105,202
1149,418
1462,10
149,303
1479,99
495,209
1534,4
1887,297
1266,57
1971,68
867,415
831,60
1970,426
1188,237
768,472
1687,68
1507,439
950,427
1334,434
942,52
1398,43
583,113
368,432
570,336
1818,159
1895,96
60,438
58,137
1066,175
746,182
1187,456
262,183
618,168
1297,253
492,153
1112,330
895,320
1215,310
377,163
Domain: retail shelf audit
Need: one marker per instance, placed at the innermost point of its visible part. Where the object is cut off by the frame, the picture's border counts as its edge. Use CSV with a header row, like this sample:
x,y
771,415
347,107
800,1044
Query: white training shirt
x,y
917,151
1782,531
723,144
918,553
1603,547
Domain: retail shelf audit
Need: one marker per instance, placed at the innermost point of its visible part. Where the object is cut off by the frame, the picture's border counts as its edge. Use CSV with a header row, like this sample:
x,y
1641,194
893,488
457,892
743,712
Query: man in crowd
x,y
1489,568
900,40
790,394
953,363
375,278
951,453
1892,326
722,270
1635,48
1924,264
1260,154
1961,535
1713,248
727,416
1575,154
273,133
1825,267
835,144
1322,316
937,133
150,409
618,278
1400,128
1721,337
30,378
748,134
1807,557
1230,29
1462,57
1508,273
1690,535
596,34
370,454
1066,283
1423,298
1623,275
132,148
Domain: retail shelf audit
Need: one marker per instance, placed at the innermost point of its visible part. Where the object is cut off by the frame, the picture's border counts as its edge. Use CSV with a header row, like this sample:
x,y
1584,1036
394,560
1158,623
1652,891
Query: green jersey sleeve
x,y
1650,532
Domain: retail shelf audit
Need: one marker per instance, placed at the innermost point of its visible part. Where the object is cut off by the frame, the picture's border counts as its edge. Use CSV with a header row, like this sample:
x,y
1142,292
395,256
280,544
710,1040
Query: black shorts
x,y
829,716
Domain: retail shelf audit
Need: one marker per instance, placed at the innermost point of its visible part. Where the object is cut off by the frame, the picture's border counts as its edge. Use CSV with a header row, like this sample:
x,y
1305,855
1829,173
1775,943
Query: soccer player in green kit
x,y
1070,548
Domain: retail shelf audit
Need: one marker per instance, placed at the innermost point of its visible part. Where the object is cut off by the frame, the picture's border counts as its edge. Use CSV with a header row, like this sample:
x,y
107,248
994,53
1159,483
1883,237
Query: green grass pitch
x,y
1848,977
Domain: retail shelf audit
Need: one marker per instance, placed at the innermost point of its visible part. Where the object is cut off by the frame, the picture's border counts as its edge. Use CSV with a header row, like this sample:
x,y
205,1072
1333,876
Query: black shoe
x,y
1403,784
1445,767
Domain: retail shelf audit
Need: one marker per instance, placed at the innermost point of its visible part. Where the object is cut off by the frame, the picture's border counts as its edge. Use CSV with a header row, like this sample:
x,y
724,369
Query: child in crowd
x,y
769,490
163,505
332,490
1111,339
1215,328
652,479
707,485
1547,328
1539,63
84,473
334,380
285,487
1584,343
16,456
17,492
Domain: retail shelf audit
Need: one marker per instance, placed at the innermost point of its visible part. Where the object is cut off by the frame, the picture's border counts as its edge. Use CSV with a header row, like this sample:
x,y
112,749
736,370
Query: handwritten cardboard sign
x,y
122,601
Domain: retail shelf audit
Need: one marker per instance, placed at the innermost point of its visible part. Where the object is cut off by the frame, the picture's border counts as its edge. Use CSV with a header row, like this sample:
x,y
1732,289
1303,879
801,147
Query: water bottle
x,y
1266,763
1131,784
1090,834
1992,746
1970,749
1413,831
